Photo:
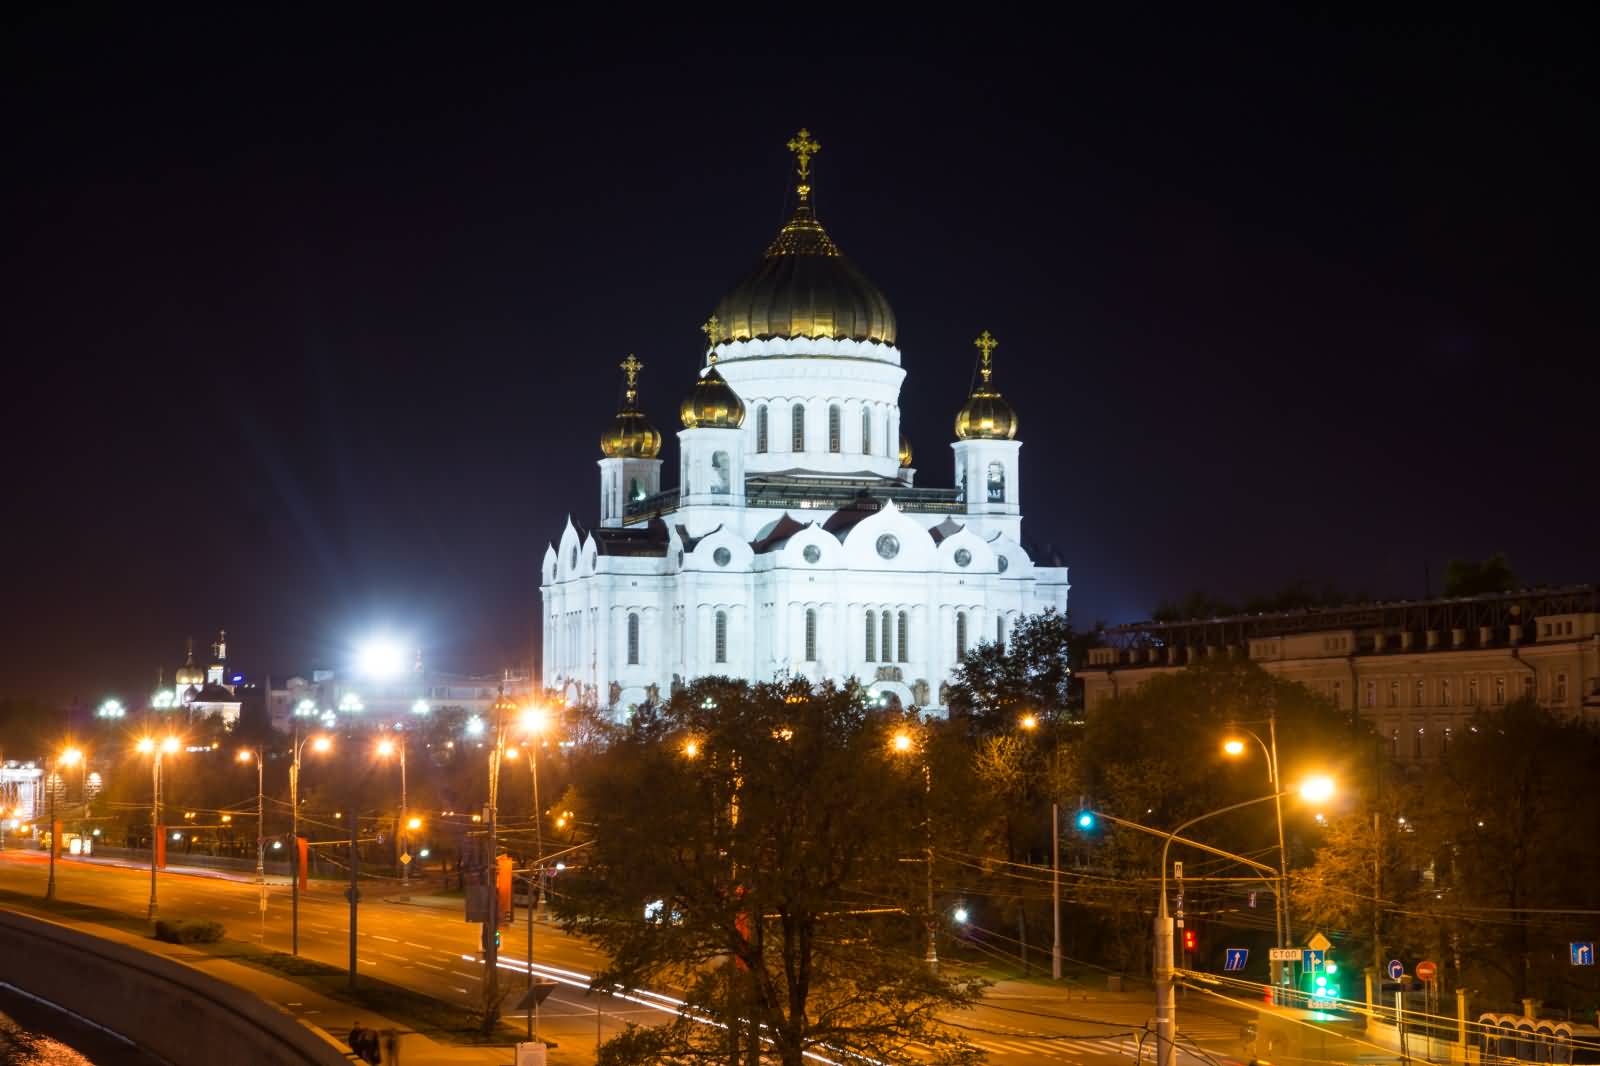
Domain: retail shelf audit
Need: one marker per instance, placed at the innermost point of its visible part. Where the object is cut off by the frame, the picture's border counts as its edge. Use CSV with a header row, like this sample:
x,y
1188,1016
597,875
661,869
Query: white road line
x,y
463,973
366,962
421,947
431,966
377,936
400,958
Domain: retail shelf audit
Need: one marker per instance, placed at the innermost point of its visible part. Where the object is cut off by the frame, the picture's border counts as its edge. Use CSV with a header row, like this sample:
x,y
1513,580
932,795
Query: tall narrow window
x,y
997,483
1559,695
835,428
905,643
633,639
1416,744
1499,690
1472,691
722,637
1000,632
887,637
1372,694
1338,693
761,428
872,636
1444,692
866,431
961,634
1527,686
721,478
797,427
1444,741
1394,743
811,635
1421,694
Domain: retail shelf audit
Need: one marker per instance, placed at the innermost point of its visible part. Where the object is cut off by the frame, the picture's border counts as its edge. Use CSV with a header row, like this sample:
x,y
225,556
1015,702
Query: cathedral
x,y
795,542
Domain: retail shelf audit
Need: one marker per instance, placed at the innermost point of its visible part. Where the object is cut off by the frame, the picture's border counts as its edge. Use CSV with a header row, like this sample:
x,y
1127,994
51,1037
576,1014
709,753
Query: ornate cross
x,y
713,331
631,367
986,344
804,148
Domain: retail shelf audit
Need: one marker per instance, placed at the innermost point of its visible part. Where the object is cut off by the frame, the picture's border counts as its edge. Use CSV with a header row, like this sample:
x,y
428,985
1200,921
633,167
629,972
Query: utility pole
x,y
1055,888
491,952
55,837
355,864
401,834
933,924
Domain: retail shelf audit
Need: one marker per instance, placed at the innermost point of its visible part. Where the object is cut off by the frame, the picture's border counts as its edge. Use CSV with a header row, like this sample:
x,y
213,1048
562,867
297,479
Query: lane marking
x,y
400,958
380,936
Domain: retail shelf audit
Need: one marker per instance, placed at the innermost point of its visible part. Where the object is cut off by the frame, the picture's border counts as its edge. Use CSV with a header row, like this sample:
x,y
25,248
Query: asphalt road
x,y
433,950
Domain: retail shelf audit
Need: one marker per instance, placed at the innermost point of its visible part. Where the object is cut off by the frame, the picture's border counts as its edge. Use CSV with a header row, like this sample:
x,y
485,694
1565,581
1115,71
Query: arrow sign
x,y
1236,959
1311,959
1394,970
1582,952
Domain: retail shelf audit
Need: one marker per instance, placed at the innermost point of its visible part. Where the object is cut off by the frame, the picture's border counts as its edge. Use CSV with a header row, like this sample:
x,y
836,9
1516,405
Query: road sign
x,y
1394,970
1236,959
352,895
1311,959
536,994
1582,952
1426,971
1286,954
1177,869
405,859
1318,942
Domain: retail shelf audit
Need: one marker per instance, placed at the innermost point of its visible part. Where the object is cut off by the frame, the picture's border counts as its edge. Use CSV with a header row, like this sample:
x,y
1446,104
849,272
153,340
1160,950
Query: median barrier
x,y
165,1007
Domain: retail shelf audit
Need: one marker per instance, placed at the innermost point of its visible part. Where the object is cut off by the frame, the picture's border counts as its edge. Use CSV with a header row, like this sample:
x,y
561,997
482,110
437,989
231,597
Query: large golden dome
x,y
986,415
803,286
630,435
713,404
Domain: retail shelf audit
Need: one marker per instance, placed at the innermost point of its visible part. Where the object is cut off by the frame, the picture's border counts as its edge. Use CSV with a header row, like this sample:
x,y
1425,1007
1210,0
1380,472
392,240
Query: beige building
x,y
1418,670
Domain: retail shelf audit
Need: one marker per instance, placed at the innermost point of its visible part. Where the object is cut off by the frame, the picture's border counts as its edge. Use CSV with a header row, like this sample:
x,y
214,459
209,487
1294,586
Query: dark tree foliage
x,y
1032,672
774,848
1296,596
1467,577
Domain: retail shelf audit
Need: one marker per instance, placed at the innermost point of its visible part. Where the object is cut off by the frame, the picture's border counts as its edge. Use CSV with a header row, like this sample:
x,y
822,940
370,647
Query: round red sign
x,y
1426,971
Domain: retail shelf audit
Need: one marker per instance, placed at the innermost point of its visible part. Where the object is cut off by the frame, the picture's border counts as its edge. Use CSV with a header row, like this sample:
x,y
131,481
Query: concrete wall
x,y
175,1012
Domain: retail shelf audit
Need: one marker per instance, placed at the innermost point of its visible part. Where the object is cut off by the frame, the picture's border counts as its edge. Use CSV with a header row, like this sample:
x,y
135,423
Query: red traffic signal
x,y
1190,941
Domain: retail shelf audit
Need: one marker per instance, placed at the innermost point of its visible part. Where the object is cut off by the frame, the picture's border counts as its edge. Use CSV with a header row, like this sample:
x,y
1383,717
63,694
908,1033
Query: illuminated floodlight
x,y
111,709
328,719
380,659
1029,722
474,726
414,823
903,741
534,720
1317,789
170,745
71,757
960,916
146,745
321,744
1233,746
420,707
423,854
385,748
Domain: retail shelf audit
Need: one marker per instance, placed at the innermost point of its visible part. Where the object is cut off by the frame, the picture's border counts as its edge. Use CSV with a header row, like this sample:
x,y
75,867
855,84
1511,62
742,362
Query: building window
x,y
720,478
1472,692
633,639
866,430
1499,690
1394,743
1444,741
872,636
722,637
1372,694
961,634
1421,693
1394,693
1527,686
1560,693
1338,693
905,627
811,635
1000,632
761,428
997,483
888,638
1416,744
1444,692
797,428
833,427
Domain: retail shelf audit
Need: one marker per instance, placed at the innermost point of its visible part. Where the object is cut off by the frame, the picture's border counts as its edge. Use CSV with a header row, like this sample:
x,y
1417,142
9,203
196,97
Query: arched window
x,y
722,637
719,473
635,490
834,429
633,639
997,483
961,634
872,636
1000,631
866,431
797,428
811,635
888,638
905,630
761,428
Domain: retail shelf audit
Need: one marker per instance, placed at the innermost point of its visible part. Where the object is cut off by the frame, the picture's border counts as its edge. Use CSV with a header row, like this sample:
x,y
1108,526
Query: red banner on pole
x,y
503,866
302,848
161,847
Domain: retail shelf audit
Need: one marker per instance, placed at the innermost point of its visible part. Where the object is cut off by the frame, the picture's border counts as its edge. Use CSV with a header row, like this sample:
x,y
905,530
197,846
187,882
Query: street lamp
x,y
254,755
111,709
903,743
534,721
157,750
1234,747
386,748
71,757
502,708
320,743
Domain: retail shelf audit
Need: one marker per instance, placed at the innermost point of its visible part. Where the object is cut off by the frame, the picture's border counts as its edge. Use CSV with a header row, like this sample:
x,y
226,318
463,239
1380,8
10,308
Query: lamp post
x,y
157,750
386,748
320,743
1235,747
502,707
254,755
1029,722
70,756
535,721
904,743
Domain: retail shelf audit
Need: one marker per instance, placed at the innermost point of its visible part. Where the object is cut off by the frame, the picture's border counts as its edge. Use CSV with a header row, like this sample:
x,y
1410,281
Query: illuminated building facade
x,y
795,541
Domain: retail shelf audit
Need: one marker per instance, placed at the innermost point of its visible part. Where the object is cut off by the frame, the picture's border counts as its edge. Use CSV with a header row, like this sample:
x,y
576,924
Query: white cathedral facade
x,y
795,542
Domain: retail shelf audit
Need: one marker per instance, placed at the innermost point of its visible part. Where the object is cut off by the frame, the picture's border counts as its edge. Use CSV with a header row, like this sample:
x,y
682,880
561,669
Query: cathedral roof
x,y
782,530
648,541
948,528
803,286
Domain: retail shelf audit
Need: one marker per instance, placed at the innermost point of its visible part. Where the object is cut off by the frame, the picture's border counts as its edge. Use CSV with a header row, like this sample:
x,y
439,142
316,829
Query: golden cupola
x,y
712,404
905,452
986,415
803,286
630,435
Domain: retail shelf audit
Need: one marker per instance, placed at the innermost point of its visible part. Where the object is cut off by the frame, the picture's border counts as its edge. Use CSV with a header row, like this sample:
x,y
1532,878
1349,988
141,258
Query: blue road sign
x,y
1582,952
1394,970
1311,959
1236,959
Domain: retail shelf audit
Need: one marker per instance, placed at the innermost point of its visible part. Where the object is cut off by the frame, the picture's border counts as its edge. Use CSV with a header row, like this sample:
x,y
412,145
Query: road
x,y
432,950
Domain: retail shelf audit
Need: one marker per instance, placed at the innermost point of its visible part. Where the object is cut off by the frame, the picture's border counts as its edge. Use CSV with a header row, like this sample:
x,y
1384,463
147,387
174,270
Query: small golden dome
x,y
986,415
630,435
905,452
713,404
189,673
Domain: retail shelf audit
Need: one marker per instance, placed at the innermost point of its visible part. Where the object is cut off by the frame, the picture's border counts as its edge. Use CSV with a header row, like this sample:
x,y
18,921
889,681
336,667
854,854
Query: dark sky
x,y
310,326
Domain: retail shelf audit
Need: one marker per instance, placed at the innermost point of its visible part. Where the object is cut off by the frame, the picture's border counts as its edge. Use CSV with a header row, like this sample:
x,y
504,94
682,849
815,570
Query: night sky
x,y
311,326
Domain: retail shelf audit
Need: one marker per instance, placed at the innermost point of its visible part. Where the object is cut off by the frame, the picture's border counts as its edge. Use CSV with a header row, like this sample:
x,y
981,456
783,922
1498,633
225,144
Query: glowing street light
x,y
420,707
320,744
351,703
1233,746
305,709
1317,789
111,708
903,743
157,750
474,726
1029,722
691,748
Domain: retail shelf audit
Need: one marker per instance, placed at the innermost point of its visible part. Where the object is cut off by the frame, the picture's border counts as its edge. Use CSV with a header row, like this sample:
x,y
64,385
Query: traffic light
x,y
1190,941
1086,821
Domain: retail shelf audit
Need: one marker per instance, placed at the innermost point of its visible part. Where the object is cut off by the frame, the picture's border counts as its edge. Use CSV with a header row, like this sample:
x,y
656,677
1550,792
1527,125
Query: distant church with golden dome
x,y
796,542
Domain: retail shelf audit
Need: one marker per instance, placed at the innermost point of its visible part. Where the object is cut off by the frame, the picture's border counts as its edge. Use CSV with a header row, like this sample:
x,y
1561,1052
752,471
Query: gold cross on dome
x,y
804,148
631,367
713,331
986,344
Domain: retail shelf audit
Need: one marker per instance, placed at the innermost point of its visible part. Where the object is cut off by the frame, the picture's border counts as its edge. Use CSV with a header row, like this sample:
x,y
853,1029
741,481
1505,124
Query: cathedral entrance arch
x,y
898,693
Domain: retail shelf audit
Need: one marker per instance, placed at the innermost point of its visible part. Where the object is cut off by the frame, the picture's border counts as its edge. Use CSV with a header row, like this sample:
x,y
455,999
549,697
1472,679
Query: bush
x,y
188,932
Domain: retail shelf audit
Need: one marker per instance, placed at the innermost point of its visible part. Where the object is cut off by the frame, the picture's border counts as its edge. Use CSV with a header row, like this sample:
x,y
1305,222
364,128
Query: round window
x,y
812,553
888,545
1003,562
963,557
722,557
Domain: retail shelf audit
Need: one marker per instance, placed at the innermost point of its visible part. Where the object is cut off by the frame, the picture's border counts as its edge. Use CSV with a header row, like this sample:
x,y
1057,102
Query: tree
x,y
1467,577
749,851
1032,672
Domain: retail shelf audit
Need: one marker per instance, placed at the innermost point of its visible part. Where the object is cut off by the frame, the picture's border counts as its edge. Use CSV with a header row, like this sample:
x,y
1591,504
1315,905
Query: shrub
x,y
188,932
